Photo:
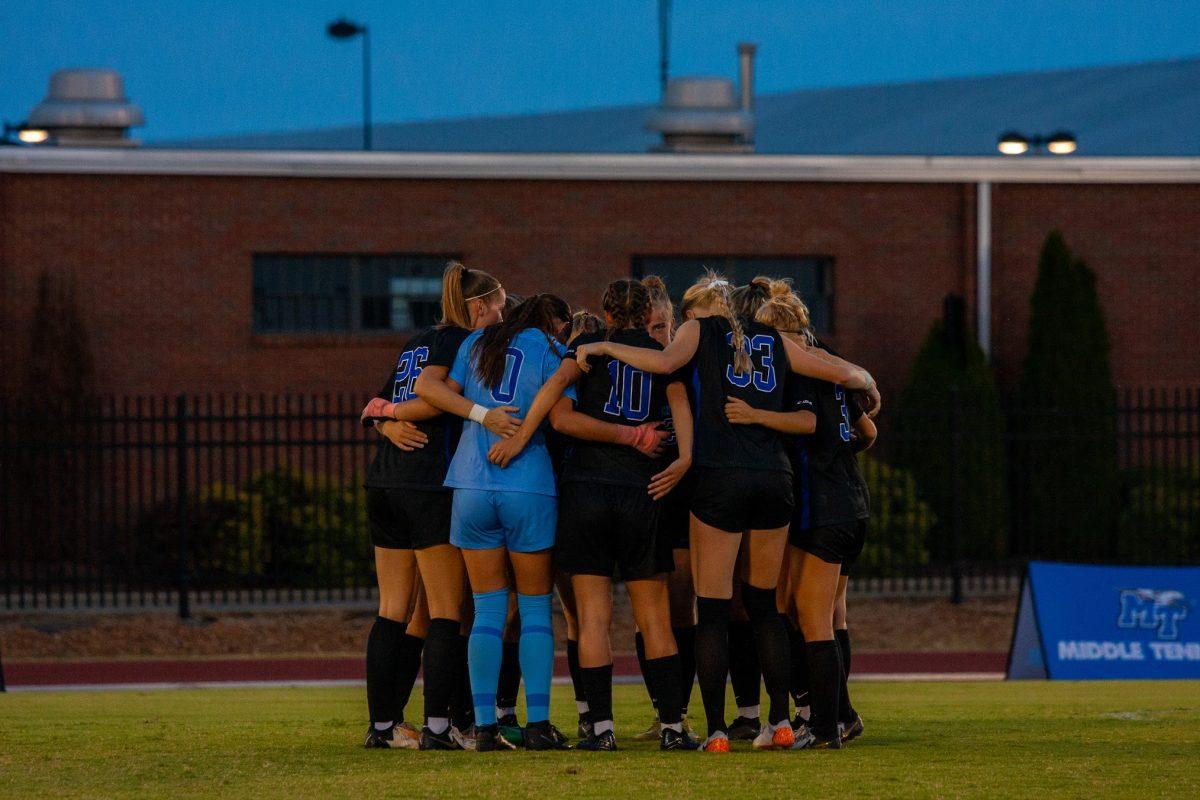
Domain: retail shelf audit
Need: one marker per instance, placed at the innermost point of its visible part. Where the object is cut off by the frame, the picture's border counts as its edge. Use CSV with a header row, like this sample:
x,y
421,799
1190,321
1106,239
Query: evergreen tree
x,y
951,397
1066,457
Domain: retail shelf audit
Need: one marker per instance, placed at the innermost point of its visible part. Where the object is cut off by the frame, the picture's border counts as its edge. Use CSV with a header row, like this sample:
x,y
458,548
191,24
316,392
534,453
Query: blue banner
x,y
1086,622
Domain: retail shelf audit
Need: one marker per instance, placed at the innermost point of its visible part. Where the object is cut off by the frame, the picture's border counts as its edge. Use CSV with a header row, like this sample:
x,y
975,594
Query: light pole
x,y
1015,143
342,28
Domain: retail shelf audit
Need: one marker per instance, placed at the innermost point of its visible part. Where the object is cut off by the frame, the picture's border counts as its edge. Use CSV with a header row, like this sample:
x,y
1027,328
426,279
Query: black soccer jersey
x,y
831,490
616,392
425,468
720,443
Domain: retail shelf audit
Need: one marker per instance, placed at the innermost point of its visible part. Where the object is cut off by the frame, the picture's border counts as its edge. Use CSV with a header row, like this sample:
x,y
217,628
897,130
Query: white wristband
x,y
477,414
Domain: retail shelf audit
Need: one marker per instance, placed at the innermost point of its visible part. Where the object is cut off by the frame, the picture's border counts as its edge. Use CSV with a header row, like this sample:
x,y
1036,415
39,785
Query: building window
x,y
811,276
346,293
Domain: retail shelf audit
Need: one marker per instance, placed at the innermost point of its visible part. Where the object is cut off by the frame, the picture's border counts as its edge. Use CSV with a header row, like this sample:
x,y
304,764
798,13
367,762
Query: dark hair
x,y
544,312
627,303
659,297
584,321
460,286
511,301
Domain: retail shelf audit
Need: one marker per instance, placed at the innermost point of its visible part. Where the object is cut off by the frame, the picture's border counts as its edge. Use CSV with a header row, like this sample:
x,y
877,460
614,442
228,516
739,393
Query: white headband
x,y
485,294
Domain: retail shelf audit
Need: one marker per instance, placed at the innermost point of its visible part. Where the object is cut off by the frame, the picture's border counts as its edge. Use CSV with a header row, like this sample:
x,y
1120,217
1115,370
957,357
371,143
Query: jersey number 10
x,y
622,401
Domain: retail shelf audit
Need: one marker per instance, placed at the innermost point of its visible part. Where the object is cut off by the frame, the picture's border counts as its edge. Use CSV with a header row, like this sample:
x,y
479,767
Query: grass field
x,y
923,740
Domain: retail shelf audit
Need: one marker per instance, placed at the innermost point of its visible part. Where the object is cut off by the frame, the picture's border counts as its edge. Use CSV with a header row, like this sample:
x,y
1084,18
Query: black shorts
x,y
675,517
834,544
603,528
743,499
409,519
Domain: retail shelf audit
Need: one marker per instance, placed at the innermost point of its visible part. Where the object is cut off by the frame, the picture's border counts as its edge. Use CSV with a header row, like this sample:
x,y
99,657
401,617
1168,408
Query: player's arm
x,y
804,361
661,362
865,433
445,394
566,375
739,412
565,419
681,418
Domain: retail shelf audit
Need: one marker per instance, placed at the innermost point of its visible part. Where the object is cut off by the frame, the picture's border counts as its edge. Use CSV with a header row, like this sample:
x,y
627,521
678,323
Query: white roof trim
x,y
621,167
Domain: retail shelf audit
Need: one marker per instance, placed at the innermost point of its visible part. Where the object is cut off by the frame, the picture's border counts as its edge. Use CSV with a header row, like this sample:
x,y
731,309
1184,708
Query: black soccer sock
x,y
685,639
639,647
441,671
410,664
771,641
662,675
383,664
745,675
799,681
712,658
845,710
597,688
462,701
825,674
843,639
510,676
573,668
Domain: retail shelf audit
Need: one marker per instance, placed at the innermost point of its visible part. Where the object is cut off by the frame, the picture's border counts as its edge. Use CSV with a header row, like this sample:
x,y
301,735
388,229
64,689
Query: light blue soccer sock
x,y
484,651
537,654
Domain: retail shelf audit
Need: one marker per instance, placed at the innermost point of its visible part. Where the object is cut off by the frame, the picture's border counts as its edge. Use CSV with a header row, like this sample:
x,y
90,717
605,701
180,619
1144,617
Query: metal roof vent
x,y
87,108
706,115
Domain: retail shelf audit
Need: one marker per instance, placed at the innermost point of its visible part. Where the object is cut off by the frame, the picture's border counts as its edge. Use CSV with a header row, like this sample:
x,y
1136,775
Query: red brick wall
x,y
1142,241
165,262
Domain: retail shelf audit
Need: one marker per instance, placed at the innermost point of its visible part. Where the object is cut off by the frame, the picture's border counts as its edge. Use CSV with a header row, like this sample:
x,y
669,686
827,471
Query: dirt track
x,y
878,625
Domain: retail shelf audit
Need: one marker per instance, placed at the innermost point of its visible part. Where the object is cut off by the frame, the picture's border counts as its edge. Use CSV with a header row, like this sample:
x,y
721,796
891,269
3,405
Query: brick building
x,y
299,271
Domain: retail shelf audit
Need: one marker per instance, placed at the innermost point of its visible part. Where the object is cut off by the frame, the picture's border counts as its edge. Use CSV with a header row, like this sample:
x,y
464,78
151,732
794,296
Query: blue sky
x,y
207,67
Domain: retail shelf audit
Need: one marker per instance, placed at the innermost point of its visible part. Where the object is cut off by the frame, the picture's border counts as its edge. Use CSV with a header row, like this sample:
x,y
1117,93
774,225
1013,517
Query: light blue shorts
x,y
519,521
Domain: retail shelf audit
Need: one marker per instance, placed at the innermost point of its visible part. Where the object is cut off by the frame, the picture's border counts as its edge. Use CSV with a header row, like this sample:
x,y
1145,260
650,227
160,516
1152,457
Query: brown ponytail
x,y
786,313
460,286
627,303
583,321
712,292
542,311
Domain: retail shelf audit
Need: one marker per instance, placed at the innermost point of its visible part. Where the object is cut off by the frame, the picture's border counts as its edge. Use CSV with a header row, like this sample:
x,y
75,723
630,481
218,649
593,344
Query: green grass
x,y
1006,740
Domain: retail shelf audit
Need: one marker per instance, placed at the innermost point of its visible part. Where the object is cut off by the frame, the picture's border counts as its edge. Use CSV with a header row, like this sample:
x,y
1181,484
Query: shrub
x,y
1160,518
1066,462
898,531
281,526
951,376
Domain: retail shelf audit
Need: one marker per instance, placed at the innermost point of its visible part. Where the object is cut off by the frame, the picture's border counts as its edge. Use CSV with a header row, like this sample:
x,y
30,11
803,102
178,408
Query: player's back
x,y
530,359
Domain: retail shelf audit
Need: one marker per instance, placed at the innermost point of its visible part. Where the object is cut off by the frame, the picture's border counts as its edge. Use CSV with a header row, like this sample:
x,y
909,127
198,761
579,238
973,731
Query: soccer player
x,y
826,538
409,513
609,510
744,484
505,506
673,534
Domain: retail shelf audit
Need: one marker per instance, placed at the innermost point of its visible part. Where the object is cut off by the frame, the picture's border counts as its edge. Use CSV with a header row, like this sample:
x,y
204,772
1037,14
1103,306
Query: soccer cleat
x,y
584,729
775,737
408,731
465,738
510,729
807,740
544,736
744,728
489,738
598,742
394,738
853,730
438,741
688,729
802,737
653,732
717,743
671,739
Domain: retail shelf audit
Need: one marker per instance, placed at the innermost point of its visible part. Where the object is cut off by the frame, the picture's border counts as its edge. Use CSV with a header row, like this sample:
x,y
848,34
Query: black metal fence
x,y
231,500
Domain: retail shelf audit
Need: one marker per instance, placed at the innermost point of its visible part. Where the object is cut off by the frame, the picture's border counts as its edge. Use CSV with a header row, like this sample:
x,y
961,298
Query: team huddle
x,y
711,467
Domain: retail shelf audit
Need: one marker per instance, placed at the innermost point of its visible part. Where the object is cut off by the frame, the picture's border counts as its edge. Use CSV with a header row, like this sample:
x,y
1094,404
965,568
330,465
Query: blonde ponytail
x,y
460,286
712,292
